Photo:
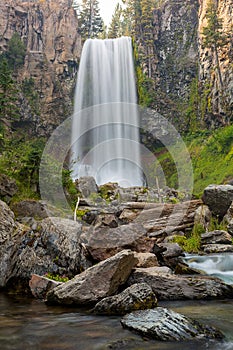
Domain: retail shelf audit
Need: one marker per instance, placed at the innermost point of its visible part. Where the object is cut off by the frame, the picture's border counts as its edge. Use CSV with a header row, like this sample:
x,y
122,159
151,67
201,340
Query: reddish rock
x,y
40,286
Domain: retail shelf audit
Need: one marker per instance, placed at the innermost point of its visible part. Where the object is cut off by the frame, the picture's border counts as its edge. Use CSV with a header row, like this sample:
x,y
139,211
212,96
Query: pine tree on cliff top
x,y
90,22
115,28
213,36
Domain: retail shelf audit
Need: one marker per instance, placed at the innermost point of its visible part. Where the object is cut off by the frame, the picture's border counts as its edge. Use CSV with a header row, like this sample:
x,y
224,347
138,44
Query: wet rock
x,y
218,198
172,250
97,282
86,185
217,248
30,208
166,325
146,259
105,242
136,297
8,188
40,286
216,237
167,286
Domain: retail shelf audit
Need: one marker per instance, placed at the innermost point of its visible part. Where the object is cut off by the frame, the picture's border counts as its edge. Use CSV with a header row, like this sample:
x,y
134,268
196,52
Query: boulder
x,y
56,249
218,198
97,282
109,220
30,208
217,248
171,250
230,227
105,242
167,286
202,216
86,185
8,188
229,215
216,237
9,232
136,297
166,325
41,285
165,219
146,259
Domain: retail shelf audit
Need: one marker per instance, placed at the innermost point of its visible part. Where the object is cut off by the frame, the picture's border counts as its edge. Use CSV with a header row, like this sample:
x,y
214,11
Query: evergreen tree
x,y
147,7
90,22
8,93
16,52
214,37
132,18
115,28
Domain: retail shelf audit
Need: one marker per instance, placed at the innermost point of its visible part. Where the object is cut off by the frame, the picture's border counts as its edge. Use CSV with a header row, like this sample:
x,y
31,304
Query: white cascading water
x,y
105,132
217,265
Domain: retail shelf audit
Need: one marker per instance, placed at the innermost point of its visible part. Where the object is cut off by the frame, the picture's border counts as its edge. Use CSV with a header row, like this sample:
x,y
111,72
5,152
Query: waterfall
x,y
217,265
105,132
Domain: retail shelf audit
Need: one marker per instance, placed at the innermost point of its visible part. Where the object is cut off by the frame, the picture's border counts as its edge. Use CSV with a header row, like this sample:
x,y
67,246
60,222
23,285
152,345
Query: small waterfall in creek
x,y
105,133
217,265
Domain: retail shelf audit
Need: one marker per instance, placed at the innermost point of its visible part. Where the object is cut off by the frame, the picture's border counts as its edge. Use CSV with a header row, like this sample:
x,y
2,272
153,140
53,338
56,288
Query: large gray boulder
x,y
30,208
86,185
216,237
167,286
8,235
136,297
97,282
166,325
105,242
218,198
55,249
8,188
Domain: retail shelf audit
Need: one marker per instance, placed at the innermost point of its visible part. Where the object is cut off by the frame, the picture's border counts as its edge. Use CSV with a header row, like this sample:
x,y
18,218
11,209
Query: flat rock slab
x,y
97,282
166,325
136,297
216,237
217,248
180,287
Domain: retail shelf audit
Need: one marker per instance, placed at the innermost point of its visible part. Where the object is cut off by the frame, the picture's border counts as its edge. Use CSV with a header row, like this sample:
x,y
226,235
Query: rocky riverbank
x,y
119,256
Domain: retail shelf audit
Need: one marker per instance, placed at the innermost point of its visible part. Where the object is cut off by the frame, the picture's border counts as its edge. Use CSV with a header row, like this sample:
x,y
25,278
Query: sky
x,y
107,8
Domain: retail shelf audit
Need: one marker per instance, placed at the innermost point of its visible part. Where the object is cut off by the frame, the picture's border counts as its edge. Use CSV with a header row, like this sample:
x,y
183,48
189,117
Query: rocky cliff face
x,y
175,54
49,31
220,107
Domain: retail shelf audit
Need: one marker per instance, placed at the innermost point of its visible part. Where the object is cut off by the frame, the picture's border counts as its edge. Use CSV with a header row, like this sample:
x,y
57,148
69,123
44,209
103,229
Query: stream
x,y
27,324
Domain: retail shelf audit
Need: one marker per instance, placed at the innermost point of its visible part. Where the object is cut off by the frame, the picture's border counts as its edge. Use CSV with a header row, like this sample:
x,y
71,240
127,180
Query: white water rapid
x,y
105,133
217,265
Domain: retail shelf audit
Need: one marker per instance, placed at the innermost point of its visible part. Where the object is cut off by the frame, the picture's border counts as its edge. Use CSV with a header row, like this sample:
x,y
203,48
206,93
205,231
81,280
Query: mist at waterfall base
x,y
216,265
105,132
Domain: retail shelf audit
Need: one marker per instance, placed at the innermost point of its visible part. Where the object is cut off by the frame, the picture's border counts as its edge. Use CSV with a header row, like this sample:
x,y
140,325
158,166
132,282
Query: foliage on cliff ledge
x,y
212,158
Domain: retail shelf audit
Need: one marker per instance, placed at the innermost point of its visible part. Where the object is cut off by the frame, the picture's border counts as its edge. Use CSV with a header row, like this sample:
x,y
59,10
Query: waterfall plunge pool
x,y
27,324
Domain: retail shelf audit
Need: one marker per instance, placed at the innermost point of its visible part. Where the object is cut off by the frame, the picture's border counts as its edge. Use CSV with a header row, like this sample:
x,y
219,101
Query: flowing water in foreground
x,y
27,324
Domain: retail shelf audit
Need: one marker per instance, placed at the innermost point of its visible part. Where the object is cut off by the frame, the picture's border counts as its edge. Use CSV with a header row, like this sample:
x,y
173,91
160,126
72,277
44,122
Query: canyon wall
x,y
48,29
